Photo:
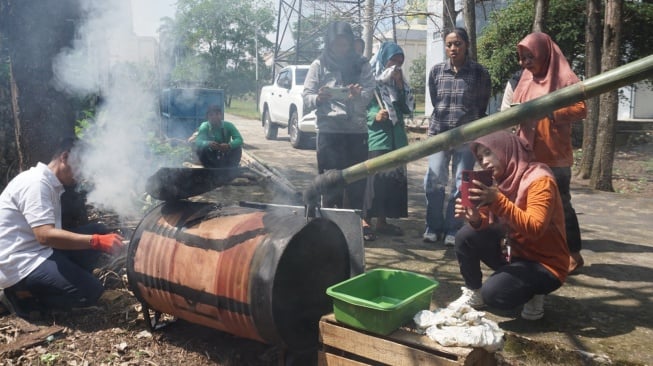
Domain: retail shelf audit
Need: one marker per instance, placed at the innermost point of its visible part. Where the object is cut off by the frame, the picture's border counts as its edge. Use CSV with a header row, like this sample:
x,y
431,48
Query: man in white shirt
x,y
42,266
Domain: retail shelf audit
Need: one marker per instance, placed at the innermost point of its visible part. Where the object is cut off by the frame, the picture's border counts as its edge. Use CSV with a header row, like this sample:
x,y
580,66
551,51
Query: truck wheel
x,y
297,137
270,128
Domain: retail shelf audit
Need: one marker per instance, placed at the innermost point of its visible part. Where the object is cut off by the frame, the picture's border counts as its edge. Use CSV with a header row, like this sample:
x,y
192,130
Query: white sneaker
x,y
469,297
430,237
449,240
534,308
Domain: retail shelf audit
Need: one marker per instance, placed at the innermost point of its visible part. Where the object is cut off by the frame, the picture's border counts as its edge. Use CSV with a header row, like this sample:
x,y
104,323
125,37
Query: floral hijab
x,y
384,83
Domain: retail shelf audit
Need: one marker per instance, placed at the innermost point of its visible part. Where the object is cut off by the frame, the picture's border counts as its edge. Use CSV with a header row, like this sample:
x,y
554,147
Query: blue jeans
x,y
436,180
63,281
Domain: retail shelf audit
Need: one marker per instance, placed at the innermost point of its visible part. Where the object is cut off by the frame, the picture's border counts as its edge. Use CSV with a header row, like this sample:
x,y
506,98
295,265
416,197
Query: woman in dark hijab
x,y
339,86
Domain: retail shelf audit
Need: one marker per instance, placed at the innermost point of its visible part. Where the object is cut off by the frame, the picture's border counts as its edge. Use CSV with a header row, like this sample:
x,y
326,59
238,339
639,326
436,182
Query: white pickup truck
x,y
281,105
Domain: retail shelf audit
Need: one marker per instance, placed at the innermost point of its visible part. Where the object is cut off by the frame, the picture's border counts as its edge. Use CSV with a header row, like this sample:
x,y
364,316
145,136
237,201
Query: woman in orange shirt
x,y
545,70
516,228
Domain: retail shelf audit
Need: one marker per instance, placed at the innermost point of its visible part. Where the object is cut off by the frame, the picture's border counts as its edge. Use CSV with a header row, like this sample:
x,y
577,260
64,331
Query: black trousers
x,y
563,180
512,284
340,151
217,159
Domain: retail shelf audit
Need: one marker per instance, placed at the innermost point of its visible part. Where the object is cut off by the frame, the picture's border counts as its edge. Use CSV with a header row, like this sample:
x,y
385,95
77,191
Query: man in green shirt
x,y
218,143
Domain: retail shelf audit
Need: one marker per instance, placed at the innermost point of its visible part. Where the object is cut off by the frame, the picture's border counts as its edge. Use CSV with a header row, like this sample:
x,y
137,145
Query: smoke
x,y
103,60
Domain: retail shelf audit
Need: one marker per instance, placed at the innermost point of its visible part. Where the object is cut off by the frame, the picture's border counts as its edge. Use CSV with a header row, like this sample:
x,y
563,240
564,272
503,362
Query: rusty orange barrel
x,y
258,273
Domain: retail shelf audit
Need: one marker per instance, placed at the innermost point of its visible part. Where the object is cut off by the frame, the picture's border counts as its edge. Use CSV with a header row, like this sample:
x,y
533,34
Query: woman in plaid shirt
x,y
460,92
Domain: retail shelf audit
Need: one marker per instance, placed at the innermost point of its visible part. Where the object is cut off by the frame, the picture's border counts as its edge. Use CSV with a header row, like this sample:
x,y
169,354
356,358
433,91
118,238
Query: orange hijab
x,y
558,73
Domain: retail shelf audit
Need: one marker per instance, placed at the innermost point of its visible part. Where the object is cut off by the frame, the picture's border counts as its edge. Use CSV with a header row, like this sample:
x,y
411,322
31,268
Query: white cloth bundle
x,y
462,327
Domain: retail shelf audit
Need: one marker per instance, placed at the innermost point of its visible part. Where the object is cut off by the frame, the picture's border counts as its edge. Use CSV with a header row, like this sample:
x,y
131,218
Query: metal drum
x,y
255,272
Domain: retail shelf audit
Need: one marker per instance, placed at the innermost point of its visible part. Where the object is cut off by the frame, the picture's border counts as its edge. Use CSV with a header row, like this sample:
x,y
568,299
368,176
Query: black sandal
x,y
368,234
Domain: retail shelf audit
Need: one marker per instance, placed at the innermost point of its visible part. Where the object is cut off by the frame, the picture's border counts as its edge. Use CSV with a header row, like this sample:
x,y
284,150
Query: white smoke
x,y
103,60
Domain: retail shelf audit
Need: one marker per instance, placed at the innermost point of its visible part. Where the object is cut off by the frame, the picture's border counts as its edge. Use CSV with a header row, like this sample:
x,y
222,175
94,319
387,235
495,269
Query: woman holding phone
x,y
341,117
516,228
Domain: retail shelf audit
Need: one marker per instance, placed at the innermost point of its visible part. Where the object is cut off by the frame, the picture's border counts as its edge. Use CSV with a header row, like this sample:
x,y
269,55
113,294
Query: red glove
x,y
108,243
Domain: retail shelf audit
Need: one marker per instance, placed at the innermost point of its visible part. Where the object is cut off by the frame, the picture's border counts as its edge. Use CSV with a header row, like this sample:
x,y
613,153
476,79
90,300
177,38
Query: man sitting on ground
x,y
218,142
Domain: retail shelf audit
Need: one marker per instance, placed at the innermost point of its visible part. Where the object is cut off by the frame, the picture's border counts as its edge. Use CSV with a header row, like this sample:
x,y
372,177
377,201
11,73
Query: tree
x,y
510,25
449,15
592,68
541,14
223,39
497,46
601,176
469,13
35,32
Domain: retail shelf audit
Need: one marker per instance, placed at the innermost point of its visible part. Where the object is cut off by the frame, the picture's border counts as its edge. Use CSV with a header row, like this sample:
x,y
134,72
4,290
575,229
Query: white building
x,y
411,38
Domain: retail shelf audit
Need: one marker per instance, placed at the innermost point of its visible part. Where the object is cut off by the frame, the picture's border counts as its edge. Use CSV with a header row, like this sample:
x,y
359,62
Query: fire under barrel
x,y
255,272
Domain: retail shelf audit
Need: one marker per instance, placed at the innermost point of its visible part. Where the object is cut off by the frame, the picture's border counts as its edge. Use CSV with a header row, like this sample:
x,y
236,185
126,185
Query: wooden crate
x,y
341,345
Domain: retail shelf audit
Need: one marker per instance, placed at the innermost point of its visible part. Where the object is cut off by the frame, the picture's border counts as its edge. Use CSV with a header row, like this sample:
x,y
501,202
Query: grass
x,y
245,107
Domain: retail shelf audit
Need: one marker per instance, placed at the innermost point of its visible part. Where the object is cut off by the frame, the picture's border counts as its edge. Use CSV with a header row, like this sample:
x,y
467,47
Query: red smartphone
x,y
483,176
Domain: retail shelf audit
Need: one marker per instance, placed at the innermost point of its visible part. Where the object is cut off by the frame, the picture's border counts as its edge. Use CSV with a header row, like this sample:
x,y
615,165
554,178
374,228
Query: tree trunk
x,y
469,13
541,13
592,68
35,32
8,156
601,176
448,16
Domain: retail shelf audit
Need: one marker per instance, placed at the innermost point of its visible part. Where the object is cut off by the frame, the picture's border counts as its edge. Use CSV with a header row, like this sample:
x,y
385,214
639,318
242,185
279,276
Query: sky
x,y
147,15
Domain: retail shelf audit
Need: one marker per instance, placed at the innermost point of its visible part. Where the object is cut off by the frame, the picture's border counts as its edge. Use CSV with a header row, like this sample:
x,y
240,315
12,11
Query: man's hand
x,y
213,145
224,147
108,243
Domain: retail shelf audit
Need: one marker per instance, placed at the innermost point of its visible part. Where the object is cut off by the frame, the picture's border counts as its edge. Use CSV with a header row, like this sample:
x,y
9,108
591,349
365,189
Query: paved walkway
x,y
607,309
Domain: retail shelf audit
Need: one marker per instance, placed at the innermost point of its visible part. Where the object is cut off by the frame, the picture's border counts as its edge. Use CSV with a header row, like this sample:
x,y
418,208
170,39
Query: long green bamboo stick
x,y
535,109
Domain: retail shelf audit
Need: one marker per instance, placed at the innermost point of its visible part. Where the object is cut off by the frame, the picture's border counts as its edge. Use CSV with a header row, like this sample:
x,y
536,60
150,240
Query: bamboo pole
x,y
532,110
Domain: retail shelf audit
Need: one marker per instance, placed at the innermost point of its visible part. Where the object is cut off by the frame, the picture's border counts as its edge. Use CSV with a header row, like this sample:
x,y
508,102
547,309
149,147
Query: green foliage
x,y
215,43
637,30
49,358
84,123
417,74
497,46
169,152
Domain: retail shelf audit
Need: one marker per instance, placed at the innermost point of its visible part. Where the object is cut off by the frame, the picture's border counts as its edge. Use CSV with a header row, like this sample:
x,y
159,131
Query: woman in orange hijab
x,y
545,70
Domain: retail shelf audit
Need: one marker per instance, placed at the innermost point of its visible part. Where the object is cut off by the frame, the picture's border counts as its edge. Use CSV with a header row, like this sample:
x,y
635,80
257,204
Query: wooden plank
x,y
329,359
379,349
399,347
26,341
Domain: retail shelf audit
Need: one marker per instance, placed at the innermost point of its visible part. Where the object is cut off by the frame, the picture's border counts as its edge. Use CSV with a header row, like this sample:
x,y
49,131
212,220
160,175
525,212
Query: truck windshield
x,y
301,75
